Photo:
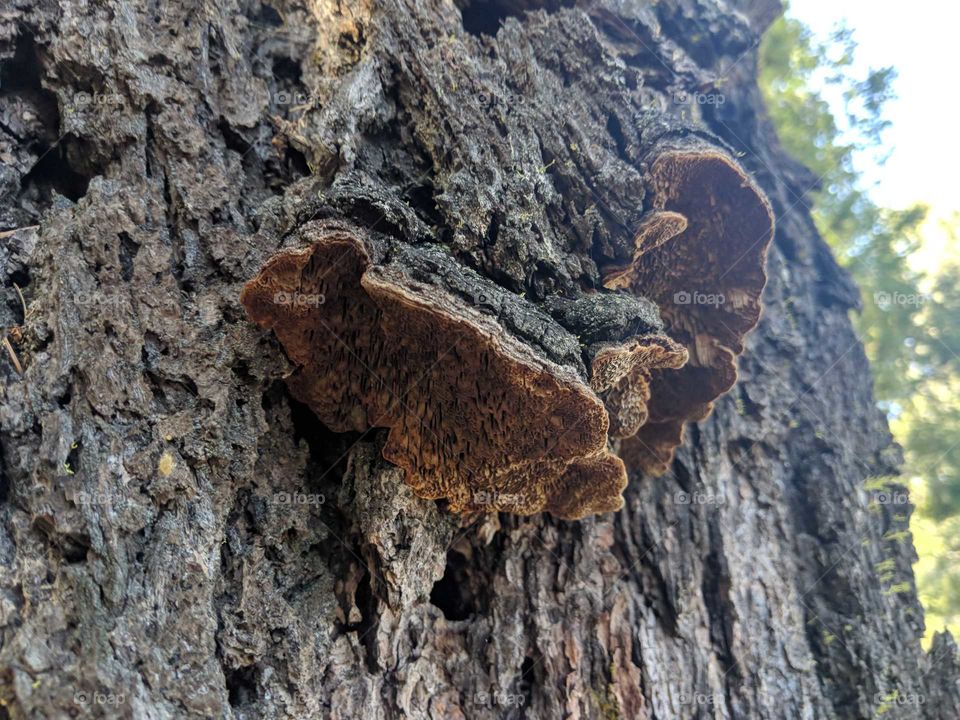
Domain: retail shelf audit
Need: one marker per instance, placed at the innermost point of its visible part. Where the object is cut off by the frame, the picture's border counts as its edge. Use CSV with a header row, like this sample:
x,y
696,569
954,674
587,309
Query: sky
x,y
920,40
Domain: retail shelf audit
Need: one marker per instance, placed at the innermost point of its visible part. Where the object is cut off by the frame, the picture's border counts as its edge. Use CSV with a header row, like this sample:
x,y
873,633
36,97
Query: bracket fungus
x,y
486,404
700,257
624,341
493,402
622,375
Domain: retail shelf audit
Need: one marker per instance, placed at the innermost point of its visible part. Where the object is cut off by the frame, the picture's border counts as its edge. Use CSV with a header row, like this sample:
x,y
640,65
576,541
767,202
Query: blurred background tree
x,y
911,292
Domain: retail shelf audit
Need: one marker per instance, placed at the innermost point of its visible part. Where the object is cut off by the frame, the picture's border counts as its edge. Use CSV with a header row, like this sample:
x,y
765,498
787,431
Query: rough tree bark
x,y
181,538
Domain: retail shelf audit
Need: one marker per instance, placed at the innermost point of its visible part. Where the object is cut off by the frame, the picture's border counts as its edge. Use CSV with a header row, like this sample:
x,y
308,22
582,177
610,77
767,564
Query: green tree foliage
x,y
909,321
930,422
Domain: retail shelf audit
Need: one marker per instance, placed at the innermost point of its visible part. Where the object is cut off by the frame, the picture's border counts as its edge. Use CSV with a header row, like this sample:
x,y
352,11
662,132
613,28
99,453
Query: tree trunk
x,y
181,537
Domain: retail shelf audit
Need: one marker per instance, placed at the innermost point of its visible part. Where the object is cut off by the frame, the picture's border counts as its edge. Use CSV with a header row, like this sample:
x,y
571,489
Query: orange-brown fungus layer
x,y
475,415
655,229
707,282
572,494
622,373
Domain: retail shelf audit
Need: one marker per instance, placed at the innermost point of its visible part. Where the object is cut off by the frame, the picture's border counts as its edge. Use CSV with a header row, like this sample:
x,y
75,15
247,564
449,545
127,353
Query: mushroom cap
x,y
612,362
484,414
311,298
622,374
476,414
656,228
707,281
589,486
624,339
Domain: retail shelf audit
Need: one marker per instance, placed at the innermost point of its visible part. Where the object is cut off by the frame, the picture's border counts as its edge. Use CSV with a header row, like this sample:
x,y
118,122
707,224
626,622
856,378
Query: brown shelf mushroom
x,y
654,230
312,300
589,486
477,414
706,275
622,374
624,340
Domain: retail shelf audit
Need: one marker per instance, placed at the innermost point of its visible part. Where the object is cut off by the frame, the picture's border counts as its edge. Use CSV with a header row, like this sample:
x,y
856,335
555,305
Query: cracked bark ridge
x,y
486,417
700,255
403,540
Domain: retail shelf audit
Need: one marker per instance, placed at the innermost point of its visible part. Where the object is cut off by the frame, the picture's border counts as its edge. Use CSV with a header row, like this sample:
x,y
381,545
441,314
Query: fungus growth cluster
x,y
495,403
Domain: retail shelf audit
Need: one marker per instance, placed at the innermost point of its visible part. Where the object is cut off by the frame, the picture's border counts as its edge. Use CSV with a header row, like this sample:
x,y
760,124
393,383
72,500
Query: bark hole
x,y
233,139
526,676
716,594
22,279
73,459
4,479
452,593
328,449
128,253
267,16
242,686
484,17
296,163
285,68
369,612
51,170
20,77
73,549
53,173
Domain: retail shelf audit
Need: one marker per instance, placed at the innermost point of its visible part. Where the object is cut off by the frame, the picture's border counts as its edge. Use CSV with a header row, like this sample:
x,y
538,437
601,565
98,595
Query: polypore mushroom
x,y
590,485
654,230
706,275
622,374
486,404
486,398
312,300
624,340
